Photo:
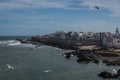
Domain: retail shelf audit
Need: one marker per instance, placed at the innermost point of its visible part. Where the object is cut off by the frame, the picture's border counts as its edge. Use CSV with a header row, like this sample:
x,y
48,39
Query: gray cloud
x,y
61,4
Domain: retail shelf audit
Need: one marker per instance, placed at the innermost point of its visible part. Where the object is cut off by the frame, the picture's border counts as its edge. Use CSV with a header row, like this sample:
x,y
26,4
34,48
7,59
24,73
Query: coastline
x,y
86,54
110,56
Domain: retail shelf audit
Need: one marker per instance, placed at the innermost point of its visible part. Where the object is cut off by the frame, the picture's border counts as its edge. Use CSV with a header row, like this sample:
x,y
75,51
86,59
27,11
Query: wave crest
x,y
10,42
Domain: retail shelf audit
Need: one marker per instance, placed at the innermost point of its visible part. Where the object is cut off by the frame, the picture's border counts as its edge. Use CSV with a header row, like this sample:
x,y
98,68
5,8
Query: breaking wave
x,y
9,42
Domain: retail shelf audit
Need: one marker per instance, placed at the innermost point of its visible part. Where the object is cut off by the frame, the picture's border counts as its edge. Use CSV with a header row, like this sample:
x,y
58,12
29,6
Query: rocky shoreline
x,y
107,57
106,74
85,53
110,58
88,54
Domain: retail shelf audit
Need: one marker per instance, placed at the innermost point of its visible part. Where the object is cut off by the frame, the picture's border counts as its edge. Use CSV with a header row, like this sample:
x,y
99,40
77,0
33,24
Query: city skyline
x,y
32,17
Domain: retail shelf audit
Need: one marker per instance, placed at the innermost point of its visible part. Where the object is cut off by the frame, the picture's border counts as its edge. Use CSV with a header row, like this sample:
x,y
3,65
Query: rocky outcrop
x,y
106,74
68,55
109,58
83,56
112,62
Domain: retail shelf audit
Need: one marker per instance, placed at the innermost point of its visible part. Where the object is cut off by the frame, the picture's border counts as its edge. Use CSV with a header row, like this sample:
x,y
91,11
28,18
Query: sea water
x,y
23,62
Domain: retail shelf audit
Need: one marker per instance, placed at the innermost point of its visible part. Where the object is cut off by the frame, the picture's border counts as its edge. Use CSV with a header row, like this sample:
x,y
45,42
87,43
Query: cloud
x,y
12,4
22,4
108,5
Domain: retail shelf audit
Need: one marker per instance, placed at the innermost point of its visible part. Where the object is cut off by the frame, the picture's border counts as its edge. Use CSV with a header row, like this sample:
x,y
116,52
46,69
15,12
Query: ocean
x,y
23,62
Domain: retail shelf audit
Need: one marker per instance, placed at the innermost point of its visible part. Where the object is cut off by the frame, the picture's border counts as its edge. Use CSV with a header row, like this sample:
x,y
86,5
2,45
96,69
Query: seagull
x,y
10,67
47,71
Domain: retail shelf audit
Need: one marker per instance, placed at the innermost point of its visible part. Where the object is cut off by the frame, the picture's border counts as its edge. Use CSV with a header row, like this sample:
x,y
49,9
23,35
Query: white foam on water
x,y
15,43
114,71
100,65
10,42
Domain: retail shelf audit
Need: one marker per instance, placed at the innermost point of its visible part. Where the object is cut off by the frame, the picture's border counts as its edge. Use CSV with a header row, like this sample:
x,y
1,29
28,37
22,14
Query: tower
x,y
117,31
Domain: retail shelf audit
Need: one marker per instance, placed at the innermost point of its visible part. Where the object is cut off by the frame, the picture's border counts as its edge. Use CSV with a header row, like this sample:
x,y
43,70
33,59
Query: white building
x,y
114,40
82,36
63,35
60,35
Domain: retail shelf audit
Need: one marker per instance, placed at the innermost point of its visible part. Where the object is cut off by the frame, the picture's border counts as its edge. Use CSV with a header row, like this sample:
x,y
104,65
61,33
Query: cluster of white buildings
x,y
108,39
79,35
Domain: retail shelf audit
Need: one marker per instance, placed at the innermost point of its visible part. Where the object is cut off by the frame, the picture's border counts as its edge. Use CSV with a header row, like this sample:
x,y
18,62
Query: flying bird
x,y
97,7
10,67
47,71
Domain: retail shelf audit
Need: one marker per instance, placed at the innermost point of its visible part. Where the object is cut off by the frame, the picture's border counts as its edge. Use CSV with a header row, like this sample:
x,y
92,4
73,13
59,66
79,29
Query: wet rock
x,y
118,72
81,60
114,63
109,54
105,61
96,61
115,76
105,74
94,56
68,55
84,58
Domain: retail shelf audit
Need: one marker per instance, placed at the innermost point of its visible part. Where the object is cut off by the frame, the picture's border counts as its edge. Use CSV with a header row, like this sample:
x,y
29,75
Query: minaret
x,y
117,31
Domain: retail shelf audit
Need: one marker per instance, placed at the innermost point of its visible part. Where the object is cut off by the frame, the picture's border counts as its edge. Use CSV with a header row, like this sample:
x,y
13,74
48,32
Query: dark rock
x,y
81,60
115,76
96,61
118,72
68,55
109,55
114,63
74,53
105,61
84,58
105,74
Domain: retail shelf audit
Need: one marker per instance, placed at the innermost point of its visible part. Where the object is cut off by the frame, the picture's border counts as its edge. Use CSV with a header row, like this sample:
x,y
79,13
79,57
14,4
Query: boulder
x,y
84,59
118,72
68,55
96,61
115,76
105,74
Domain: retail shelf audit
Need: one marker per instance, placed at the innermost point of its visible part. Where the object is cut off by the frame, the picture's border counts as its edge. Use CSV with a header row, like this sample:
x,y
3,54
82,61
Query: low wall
x,y
65,41
88,42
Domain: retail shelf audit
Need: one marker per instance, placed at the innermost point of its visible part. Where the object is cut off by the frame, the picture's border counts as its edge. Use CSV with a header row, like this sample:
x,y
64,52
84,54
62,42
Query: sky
x,y
38,17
